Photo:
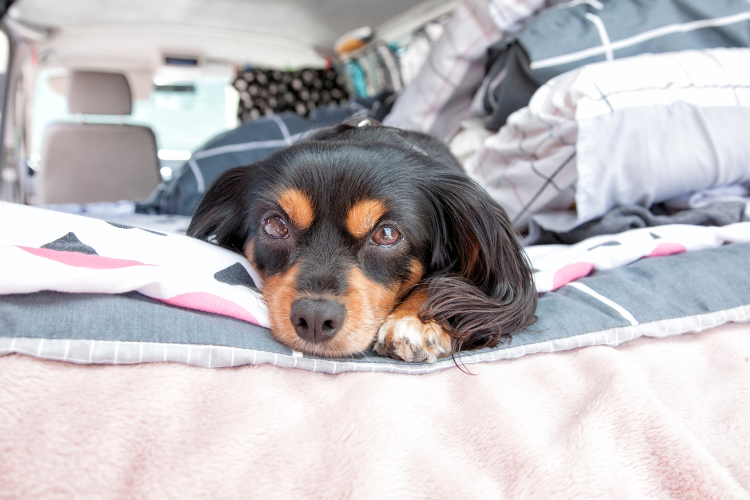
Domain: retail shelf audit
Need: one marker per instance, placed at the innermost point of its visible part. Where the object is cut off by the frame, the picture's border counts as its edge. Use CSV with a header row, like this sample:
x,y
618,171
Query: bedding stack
x,y
601,116
630,133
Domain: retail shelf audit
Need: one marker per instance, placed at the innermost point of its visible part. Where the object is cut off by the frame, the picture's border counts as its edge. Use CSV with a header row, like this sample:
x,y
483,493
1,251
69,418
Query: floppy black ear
x,y
480,282
222,212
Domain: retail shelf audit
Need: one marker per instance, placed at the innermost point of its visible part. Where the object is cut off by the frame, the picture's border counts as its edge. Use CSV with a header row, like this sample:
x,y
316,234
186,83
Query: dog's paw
x,y
407,338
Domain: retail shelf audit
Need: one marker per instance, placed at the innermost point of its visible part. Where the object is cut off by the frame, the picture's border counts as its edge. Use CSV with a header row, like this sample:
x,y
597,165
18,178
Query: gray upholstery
x,y
97,93
84,163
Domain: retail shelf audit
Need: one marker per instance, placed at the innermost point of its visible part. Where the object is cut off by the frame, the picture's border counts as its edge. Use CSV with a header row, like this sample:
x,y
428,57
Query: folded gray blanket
x,y
628,217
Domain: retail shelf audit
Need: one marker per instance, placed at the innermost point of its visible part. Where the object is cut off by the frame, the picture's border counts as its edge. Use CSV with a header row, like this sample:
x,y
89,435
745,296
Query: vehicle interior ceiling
x,y
168,46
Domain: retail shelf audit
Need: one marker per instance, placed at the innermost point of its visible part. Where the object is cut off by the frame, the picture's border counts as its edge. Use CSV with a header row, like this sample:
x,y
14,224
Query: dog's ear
x,y
222,213
480,283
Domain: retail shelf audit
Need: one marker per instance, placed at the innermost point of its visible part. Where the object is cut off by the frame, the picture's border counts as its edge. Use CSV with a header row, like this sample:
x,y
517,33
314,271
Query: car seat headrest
x,y
99,93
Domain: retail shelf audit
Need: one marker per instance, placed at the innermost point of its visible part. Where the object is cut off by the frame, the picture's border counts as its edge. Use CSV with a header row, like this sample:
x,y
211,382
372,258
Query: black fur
x,y
478,280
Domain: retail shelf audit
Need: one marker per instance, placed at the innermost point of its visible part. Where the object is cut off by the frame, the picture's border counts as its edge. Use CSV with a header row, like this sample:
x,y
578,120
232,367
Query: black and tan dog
x,y
372,236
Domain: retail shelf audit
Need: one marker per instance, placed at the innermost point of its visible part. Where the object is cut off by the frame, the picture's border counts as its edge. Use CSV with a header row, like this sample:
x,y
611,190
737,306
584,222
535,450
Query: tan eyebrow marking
x,y
363,216
298,207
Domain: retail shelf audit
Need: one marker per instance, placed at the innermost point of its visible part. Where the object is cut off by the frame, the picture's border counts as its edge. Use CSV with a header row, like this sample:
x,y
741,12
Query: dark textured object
x,y
266,92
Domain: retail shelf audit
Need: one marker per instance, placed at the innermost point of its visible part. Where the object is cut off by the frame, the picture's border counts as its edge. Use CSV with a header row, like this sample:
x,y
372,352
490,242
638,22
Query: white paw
x,y
409,339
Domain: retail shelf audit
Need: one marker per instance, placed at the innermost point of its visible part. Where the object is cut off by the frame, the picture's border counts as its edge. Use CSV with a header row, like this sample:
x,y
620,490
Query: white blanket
x,y
93,256
45,250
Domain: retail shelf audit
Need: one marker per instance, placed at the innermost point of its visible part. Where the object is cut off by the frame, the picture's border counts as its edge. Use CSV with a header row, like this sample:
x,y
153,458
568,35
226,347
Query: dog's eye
x,y
386,236
275,227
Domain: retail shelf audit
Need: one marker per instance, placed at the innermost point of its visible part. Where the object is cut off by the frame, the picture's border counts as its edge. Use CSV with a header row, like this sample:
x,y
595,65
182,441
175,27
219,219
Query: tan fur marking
x,y
472,256
298,207
367,305
279,292
363,216
411,305
416,272
249,253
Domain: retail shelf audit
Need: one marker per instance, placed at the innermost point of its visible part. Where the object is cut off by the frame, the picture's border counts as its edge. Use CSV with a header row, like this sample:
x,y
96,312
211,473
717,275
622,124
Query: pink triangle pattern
x,y
77,259
571,272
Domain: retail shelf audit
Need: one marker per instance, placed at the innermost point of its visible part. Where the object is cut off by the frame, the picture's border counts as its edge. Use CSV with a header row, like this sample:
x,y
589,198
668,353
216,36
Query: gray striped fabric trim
x,y
121,353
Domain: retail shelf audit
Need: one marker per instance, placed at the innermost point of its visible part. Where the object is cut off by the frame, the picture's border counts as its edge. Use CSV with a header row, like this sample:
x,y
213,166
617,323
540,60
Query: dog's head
x,y
343,226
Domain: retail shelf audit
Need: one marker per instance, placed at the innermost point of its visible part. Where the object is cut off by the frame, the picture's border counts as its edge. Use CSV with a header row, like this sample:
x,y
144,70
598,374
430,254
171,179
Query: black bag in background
x,y
509,83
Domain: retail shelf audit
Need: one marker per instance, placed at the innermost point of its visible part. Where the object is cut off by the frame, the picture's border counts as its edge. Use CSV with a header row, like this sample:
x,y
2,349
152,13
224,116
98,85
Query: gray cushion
x,y
665,295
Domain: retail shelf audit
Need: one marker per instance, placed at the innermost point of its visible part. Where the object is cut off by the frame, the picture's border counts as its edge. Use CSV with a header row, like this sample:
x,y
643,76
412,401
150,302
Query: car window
x,y
8,173
4,54
182,114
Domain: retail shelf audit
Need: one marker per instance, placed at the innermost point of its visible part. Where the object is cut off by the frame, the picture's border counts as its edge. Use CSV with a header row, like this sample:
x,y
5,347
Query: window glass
x,y
4,55
8,173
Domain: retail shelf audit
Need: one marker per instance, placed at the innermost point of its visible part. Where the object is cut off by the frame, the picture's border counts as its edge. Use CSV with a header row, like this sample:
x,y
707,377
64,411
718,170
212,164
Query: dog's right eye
x,y
275,227
386,236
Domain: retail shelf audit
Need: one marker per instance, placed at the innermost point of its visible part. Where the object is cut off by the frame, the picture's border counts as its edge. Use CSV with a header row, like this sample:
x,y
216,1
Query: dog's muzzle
x,y
317,320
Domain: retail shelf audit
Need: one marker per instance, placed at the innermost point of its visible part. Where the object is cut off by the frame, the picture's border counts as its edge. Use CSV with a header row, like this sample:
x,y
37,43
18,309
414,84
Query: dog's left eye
x,y
386,236
275,227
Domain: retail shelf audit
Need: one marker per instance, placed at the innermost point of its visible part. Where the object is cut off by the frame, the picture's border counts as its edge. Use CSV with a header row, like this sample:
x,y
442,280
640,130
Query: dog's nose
x,y
317,320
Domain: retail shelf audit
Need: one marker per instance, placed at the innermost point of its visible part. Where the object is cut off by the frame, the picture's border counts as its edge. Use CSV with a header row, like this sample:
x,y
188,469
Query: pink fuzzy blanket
x,y
653,418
